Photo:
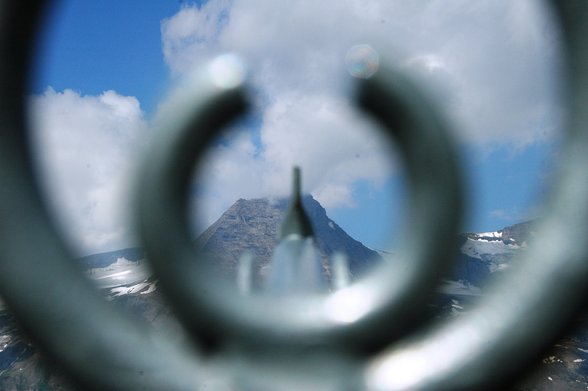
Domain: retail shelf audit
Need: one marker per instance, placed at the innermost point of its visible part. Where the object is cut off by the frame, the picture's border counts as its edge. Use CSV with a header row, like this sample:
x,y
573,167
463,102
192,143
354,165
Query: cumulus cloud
x,y
492,64
193,30
85,148
498,60
329,147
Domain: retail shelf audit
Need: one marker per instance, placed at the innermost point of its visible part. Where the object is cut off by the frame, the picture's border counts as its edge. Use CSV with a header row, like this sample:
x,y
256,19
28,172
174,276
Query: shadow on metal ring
x,y
313,343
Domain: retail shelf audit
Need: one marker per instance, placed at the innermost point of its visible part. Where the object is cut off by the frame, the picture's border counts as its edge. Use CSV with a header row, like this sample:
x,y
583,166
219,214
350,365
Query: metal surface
x,y
320,342
524,311
397,291
102,347
295,267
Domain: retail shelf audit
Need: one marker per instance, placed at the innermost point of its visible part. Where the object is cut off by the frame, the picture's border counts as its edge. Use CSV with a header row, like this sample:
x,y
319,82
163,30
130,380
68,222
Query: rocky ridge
x,y
483,256
252,226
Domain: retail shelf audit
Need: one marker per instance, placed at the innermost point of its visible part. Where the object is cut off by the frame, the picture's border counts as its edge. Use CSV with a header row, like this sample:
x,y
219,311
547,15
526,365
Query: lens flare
x,y
362,61
228,71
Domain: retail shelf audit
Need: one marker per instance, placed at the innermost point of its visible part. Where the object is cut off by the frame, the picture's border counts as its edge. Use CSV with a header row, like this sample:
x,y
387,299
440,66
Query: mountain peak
x,y
295,221
253,226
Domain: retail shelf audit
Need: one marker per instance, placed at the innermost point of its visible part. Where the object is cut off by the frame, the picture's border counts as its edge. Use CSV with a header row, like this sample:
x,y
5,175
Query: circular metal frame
x,y
526,309
101,347
355,317
51,299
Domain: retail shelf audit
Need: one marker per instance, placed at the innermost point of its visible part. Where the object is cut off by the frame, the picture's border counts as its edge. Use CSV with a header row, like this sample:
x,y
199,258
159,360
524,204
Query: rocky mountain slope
x,y
252,226
486,255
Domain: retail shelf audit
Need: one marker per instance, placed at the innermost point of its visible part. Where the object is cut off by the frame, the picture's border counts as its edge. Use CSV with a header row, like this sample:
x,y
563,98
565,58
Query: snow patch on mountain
x,y
495,234
122,273
491,248
142,288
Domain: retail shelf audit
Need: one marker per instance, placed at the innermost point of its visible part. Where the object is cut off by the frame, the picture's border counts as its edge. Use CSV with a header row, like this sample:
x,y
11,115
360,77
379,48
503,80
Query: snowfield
x,y
122,273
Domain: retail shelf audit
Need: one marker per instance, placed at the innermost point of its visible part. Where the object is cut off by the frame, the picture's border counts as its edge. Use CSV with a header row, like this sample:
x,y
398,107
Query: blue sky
x,y
104,68
91,47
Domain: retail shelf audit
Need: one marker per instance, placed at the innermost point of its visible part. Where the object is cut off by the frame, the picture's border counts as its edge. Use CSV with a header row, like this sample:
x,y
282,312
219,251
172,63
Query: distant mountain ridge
x,y
483,254
252,225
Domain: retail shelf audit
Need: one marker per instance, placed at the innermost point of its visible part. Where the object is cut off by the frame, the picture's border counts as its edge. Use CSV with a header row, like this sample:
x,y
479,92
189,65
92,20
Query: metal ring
x,y
111,351
526,310
102,347
356,317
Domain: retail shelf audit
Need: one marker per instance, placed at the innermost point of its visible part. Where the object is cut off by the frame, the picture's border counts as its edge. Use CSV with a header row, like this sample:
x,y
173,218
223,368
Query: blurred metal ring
x,y
527,308
507,329
101,347
374,310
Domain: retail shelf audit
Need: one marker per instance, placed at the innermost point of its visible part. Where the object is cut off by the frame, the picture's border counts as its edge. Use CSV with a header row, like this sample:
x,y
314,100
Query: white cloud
x,y
334,147
193,30
493,65
329,146
496,59
84,147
